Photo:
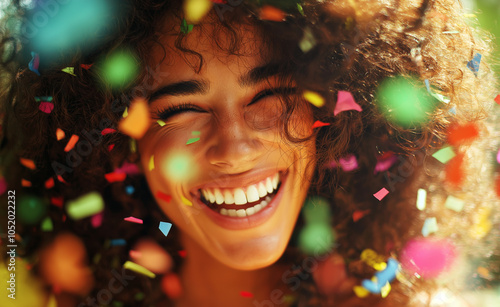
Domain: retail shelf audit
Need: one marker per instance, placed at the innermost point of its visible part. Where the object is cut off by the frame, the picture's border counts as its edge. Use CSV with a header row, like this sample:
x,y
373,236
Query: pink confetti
x,y
428,257
385,164
133,220
96,220
46,107
129,169
345,102
498,156
348,163
381,194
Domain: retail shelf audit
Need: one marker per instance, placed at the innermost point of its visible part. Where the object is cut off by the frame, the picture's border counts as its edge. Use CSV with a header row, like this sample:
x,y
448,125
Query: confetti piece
x,y
28,163
107,131
430,226
85,206
444,155
57,201
46,107
171,286
348,163
308,41
137,122
186,201
314,98
43,98
454,172
133,220
163,196
86,66
383,277
319,124
271,13
60,134
134,254
473,65
360,291
381,194
384,164
483,272
47,224
129,169
182,253
125,112
34,63
165,228
195,10
138,269
25,183
115,177
370,257
459,134
96,220
118,242
421,199
498,156
428,257
438,96
345,102
49,184
129,190
497,99
119,69
384,291
482,225
195,133
160,122
454,203
69,70
110,147
61,179
246,294
151,162
358,214
185,27
71,143
192,140
300,9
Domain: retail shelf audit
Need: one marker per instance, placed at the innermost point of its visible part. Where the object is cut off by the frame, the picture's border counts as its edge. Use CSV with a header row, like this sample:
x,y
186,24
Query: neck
x,y
208,282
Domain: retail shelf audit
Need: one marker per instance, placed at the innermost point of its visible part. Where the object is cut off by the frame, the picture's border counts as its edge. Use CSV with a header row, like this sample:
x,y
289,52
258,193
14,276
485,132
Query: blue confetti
x,y
474,64
129,189
165,228
43,98
118,242
34,63
383,277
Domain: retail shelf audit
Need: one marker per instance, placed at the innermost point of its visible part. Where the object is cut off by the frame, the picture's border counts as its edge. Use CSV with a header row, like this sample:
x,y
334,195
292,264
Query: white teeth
x,y
252,193
211,196
231,212
219,199
250,211
241,213
263,203
257,208
262,189
269,185
268,199
228,197
275,181
223,211
239,197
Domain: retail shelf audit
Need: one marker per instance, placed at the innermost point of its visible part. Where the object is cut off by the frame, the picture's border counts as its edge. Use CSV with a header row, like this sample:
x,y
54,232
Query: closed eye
x,y
166,113
273,91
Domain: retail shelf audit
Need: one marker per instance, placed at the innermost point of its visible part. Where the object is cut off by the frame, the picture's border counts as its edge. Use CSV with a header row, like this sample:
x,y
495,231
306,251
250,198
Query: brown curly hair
x,y
358,44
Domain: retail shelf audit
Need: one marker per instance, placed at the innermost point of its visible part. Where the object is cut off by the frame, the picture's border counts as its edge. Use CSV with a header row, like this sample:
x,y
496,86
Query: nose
x,y
235,148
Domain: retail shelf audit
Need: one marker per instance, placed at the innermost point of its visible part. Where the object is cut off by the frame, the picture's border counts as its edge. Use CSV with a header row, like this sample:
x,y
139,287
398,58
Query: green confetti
x,y
133,145
444,155
85,206
138,269
455,204
185,28
139,296
316,210
160,122
192,140
316,239
300,9
47,224
119,69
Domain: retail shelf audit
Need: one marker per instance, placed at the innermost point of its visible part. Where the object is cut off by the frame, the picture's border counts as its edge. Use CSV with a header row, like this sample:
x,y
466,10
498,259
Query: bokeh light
x,y
31,209
119,69
179,166
316,239
316,210
403,102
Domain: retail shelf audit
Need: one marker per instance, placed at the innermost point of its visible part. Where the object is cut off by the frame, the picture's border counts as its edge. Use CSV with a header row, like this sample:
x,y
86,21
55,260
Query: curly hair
x,y
358,45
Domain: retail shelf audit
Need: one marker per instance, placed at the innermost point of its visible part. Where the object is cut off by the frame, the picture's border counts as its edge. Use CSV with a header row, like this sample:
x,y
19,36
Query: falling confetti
x,y
25,183
71,143
381,194
428,257
430,226
107,131
316,238
119,69
138,269
359,214
31,209
34,63
165,228
345,102
49,183
86,66
96,220
473,65
69,70
28,163
151,164
46,107
421,199
47,224
186,201
318,124
118,242
185,27
271,13
60,134
133,220
497,99
137,122
85,206
459,134
160,122
246,294
444,155
454,172
314,98
192,140
195,10
348,163
454,203
308,41
163,196
115,177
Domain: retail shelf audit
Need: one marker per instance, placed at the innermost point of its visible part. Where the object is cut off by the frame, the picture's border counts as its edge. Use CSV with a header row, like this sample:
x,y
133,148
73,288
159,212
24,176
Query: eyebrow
x,y
192,87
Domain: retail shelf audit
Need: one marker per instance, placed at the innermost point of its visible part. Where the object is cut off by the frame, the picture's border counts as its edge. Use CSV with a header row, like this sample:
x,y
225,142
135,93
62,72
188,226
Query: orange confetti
x,y
497,184
28,163
60,134
49,184
25,183
458,134
271,13
137,122
320,124
497,99
115,177
358,214
454,170
71,143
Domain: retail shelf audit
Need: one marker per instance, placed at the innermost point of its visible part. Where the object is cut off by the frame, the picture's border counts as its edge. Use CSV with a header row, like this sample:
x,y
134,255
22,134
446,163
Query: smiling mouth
x,y
244,201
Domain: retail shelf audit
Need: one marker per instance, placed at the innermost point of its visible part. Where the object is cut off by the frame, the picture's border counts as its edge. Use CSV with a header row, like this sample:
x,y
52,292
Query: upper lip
x,y
241,180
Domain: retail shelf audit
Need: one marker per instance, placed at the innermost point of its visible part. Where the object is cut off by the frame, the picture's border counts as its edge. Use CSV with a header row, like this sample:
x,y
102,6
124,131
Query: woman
x,y
254,107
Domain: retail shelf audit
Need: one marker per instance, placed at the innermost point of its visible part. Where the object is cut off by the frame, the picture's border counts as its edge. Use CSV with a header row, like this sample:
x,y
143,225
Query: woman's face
x,y
237,191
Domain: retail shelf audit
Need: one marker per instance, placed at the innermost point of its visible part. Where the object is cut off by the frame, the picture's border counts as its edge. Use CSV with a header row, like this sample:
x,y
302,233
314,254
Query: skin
x,y
231,149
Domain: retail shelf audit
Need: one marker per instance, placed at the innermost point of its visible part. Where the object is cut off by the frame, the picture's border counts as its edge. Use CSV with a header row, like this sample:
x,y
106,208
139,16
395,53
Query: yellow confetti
x,y
137,122
69,70
186,201
314,98
482,225
379,266
152,163
138,269
360,291
195,10
133,145
384,291
125,113
483,272
370,257
160,122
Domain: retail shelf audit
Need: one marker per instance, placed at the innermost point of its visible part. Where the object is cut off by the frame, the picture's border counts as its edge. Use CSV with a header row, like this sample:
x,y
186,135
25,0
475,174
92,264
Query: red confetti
x,y
25,183
219,1
497,183
163,196
115,177
86,66
171,285
61,179
110,147
246,294
319,124
462,133
71,143
49,184
182,253
108,131
271,13
358,214
497,99
57,201
454,170
46,107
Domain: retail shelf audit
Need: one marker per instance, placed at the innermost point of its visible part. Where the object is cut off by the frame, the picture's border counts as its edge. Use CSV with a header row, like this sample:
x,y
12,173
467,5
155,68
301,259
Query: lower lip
x,y
240,223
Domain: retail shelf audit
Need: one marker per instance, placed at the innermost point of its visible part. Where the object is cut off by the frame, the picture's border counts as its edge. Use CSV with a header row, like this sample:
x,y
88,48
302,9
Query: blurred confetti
x,y
85,206
137,122
346,102
119,69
